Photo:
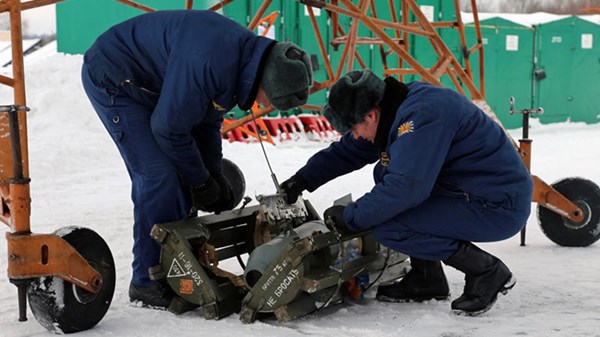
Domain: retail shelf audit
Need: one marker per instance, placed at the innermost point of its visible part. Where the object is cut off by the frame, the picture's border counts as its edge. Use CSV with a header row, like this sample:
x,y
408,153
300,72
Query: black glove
x,y
334,216
225,201
205,197
293,187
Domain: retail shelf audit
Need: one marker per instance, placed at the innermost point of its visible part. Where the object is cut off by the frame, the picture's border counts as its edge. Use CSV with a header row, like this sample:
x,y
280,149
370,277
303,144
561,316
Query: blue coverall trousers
x,y
434,229
157,189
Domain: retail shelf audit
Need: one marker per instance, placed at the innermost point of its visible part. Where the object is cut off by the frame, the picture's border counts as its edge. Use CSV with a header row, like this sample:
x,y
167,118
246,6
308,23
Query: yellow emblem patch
x,y
218,107
405,128
384,158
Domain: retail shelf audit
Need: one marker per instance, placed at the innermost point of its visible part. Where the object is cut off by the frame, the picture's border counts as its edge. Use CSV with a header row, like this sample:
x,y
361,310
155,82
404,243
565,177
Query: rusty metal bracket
x,y
36,255
547,196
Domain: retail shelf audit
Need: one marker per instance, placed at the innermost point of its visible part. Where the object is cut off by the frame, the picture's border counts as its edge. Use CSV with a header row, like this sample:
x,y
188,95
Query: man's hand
x,y
334,217
226,199
205,197
293,187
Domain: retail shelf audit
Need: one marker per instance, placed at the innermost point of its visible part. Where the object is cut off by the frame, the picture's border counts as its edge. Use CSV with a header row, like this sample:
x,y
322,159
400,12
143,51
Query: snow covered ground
x,y
79,179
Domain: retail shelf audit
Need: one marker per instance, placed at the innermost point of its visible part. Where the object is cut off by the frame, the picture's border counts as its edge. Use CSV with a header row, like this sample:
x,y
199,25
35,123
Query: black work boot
x,y
425,281
157,295
485,277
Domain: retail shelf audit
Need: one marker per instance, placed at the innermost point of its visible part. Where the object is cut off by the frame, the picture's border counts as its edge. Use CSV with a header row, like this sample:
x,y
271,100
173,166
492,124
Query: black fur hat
x,y
287,76
352,97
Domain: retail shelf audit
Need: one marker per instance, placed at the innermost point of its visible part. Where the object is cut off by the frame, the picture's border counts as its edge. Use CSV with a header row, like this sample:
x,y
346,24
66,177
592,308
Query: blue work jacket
x,y
439,144
188,67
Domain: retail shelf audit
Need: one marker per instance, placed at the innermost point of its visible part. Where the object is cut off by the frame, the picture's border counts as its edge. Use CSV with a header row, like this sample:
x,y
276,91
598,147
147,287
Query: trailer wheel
x,y
236,178
62,307
586,195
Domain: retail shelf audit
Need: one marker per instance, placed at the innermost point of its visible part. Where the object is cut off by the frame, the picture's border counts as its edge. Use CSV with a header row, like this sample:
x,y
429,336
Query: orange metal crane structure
x,y
31,256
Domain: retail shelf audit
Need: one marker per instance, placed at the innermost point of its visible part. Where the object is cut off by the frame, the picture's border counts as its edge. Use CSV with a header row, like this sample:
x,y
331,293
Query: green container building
x,y
554,65
508,66
568,68
80,22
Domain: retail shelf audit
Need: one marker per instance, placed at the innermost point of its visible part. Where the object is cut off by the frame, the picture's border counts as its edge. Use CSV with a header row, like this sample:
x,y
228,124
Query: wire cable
x,y
273,177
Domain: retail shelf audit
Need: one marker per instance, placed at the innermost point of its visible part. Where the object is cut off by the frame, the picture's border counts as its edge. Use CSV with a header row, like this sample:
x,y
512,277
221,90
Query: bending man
x,y
160,83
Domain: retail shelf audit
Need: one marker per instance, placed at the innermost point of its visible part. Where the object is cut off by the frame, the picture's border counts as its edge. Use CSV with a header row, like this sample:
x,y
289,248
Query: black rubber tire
x,y
236,178
586,195
60,306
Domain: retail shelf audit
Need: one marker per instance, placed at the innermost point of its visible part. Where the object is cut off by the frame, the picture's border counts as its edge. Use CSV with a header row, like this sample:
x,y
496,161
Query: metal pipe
x,y
136,5
479,42
221,4
320,42
15,139
362,5
19,185
252,25
5,6
7,80
463,40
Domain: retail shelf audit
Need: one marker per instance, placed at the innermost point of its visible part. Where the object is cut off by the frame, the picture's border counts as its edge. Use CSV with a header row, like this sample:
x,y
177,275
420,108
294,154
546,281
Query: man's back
x,y
143,47
480,159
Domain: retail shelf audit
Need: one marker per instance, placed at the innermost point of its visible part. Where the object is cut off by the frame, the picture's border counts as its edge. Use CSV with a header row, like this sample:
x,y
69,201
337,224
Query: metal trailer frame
x,y
29,255
298,275
34,255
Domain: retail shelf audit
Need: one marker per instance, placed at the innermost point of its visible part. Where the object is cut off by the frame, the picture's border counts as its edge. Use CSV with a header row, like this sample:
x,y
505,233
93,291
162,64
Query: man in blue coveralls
x,y
160,83
446,175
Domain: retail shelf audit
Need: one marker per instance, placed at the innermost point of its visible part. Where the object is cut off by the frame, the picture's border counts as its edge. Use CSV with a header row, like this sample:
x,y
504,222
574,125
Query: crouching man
x,y
446,175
